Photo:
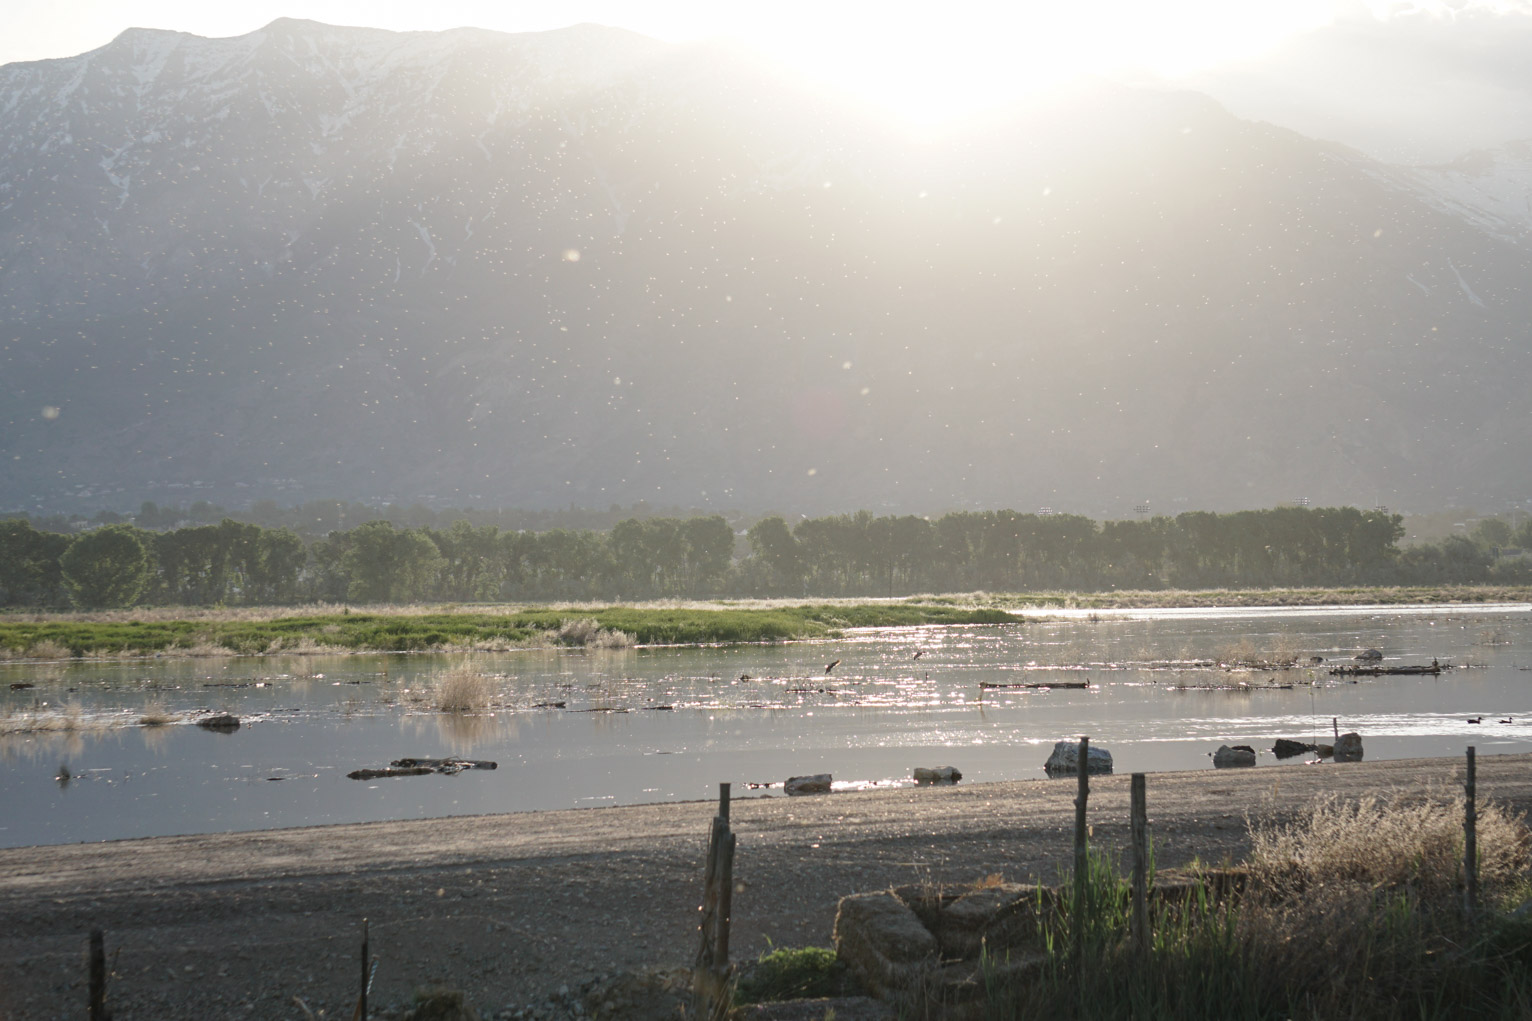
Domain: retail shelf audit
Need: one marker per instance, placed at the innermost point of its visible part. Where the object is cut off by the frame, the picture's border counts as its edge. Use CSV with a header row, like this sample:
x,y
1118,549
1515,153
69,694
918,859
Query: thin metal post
x,y
361,1000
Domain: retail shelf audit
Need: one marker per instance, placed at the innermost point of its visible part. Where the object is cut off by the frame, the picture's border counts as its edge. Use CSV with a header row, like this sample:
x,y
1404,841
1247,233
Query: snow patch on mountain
x,y
1491,189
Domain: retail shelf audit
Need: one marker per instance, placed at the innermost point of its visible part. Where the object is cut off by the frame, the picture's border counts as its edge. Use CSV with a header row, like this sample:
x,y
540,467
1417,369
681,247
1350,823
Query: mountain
x,y
586,267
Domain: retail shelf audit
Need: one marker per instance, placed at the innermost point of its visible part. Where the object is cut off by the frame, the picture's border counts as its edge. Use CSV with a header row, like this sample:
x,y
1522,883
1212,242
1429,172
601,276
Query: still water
x,y
661,724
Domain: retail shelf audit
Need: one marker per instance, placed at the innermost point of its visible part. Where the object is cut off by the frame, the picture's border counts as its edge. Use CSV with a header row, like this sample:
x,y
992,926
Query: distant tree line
x,y
378,561
315,519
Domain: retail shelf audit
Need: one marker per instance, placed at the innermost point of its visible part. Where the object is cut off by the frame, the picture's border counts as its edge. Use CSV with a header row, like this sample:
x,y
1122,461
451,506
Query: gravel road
x,y
509,908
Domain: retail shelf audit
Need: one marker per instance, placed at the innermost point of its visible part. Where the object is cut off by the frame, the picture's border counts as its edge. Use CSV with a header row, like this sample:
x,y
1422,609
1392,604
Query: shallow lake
x,y
661,724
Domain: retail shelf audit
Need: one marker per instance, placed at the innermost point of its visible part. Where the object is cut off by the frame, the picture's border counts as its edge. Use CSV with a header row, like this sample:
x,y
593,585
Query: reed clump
x,y
157,714
1355,910
462,688
68,718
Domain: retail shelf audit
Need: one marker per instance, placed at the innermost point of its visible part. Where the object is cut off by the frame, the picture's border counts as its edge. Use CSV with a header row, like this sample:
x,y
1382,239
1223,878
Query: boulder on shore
x,y
1231,758
1065,760
819,783
883,942
937,774
1348,747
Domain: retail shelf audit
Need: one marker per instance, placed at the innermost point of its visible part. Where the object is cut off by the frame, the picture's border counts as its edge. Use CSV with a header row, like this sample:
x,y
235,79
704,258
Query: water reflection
x,y
459,733
1166,688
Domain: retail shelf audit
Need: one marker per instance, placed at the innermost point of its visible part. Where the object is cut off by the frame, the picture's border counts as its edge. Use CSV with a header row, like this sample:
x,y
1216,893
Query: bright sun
x,y
961,57
924,64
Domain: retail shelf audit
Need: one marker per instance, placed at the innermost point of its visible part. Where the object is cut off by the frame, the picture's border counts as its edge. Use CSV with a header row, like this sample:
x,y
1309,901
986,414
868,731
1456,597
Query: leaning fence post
x,y
1471,838
1139,827
97,962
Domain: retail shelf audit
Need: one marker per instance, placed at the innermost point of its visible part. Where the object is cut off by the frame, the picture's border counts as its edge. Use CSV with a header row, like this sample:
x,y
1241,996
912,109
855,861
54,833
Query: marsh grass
x,y
1353,911
1281,653
462,688
393,631
68,718
157,714
325,628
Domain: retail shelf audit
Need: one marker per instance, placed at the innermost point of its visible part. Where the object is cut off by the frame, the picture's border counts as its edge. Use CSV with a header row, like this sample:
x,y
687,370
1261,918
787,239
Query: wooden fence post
x,y
1082,858
96,960
1139,828
360,1013
725,903
1470,839
710,973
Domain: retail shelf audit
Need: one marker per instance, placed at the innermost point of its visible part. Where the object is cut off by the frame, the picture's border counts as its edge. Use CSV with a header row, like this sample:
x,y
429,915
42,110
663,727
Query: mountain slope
x,y
586,267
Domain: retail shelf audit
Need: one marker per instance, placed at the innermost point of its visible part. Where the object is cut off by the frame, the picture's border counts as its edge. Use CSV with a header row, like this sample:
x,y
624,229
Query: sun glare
x,y
961,59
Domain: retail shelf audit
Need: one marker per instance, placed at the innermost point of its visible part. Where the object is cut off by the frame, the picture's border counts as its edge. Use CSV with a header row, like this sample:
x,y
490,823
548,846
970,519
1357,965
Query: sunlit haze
x,y
923,64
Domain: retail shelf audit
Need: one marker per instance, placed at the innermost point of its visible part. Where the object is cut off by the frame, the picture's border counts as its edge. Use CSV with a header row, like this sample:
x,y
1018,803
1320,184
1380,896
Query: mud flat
x,y
511,907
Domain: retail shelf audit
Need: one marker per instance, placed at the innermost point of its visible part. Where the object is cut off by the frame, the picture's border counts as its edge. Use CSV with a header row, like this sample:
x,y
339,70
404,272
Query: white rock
x,y
819,783
1227,758
937,774
1066,758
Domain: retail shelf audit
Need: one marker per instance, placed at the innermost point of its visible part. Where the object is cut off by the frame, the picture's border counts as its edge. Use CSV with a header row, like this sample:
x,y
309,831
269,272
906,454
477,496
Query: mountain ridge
x,y
585,266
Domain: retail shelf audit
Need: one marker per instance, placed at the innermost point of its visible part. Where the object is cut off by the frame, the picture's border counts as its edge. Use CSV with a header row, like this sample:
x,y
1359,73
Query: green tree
x,y
709,551
472,567
29,565
774,546
389,565
106,567
272,575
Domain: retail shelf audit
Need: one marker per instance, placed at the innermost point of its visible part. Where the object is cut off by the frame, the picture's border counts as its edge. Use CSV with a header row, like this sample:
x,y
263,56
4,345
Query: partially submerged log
x,y
1431,669
446,765
373,774
1034,684
421,767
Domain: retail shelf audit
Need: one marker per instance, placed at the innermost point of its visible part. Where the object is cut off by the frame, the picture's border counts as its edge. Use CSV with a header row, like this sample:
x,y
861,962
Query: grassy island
x,y
254,632
328,628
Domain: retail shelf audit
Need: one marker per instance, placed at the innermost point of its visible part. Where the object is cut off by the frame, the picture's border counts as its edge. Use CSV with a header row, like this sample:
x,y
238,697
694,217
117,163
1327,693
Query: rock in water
x,y
1285,749
1226,757
226,723
819,783
1348,747
1066,758
937,774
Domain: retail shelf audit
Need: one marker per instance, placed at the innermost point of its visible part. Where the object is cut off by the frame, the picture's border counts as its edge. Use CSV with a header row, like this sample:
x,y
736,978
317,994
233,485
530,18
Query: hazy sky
x,y
1360,65
974,48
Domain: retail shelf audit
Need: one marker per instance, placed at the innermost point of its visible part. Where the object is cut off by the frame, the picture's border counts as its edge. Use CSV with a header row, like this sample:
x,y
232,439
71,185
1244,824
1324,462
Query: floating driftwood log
x,y
421,767
1432,669
1034,684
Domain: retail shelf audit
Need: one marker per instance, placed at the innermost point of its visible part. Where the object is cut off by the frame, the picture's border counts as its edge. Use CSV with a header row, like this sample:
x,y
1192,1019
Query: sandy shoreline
x,y
510,907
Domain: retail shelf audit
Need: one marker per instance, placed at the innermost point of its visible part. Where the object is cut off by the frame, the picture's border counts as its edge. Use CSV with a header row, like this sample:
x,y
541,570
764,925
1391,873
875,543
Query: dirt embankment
x,y
511,907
